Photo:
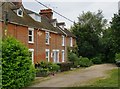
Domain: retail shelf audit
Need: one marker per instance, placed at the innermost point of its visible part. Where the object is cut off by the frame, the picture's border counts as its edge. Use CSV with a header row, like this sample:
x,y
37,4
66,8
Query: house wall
x,y
39,45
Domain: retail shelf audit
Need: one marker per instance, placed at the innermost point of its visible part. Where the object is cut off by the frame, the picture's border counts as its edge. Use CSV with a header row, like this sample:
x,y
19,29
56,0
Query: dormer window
x,y
20,12
54,24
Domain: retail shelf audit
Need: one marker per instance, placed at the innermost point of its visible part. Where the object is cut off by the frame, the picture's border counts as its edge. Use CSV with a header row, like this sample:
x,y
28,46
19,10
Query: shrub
x,y
45,68
65,66
42,72
117,57
85,62
17,68
96,60
54,67
72,57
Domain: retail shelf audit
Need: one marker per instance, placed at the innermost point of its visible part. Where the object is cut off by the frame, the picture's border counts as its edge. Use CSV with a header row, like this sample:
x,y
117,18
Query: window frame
x,y
71,42
63,57
32,51
63,40
31,29
47,38
18,12
47,57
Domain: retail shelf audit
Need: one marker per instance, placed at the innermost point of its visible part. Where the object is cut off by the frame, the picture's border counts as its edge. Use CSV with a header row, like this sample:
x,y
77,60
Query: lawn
x,y
110,81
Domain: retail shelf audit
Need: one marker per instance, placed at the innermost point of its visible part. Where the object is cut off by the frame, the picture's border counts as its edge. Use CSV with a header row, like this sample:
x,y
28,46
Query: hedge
x,y
17,68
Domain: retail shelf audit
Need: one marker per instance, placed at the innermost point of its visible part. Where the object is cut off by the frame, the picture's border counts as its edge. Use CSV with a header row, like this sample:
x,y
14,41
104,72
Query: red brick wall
x,y
39,46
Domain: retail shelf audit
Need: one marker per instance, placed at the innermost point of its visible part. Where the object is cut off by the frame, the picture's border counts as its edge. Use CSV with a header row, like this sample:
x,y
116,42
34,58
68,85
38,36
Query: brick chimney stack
x,y
18,3
46,13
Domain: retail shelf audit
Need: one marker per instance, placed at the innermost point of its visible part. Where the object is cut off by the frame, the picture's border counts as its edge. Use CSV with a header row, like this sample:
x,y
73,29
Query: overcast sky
x,y
73,8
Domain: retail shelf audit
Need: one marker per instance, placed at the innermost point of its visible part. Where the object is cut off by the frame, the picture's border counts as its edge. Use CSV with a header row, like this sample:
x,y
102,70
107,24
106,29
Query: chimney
x,y
47,13
17,3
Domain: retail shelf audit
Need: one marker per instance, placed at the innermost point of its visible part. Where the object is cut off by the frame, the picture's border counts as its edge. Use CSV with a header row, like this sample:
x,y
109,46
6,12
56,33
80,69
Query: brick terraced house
x,y
46,39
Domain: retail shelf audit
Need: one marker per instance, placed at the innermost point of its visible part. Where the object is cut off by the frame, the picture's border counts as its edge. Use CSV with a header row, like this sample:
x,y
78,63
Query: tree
x,y
115,26
108,46
88,31
17,68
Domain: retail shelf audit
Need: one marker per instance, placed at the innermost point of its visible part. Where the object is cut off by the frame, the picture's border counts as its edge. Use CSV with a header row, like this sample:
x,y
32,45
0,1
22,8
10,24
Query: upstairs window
x,y
47,39
30,35
20,12
54,24
71,42
63,40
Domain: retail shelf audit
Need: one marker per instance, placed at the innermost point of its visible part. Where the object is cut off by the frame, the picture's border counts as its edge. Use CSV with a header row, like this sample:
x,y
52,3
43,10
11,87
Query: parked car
x,y
118,63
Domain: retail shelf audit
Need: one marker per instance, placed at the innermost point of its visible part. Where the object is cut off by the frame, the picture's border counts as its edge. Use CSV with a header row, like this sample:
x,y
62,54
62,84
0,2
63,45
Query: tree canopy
x,y
88,30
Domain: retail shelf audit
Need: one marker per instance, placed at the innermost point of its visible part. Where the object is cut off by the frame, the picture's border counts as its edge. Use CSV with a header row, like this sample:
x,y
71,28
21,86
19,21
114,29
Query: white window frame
x,y
71,42
31,29
47,57
57,56
32,51
63,55
63,40
47,38
54,24
18,12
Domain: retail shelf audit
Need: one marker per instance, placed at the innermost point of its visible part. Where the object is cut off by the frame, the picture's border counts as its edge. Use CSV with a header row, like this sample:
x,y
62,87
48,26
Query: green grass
x,y
110,81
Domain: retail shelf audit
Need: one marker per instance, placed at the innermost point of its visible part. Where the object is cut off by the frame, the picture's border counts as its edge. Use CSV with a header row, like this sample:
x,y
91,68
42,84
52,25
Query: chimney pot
x,y
46,13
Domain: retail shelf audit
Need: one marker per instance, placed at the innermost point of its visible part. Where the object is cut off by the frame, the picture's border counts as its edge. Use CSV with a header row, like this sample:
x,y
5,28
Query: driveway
x,y
78,76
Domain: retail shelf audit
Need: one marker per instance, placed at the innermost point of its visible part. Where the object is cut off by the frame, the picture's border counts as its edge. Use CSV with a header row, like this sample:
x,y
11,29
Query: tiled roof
x,y
26,20
67,32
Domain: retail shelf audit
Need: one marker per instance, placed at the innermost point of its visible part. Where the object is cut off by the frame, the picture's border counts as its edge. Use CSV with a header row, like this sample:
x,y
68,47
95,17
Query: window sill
x,y
31,42
47,43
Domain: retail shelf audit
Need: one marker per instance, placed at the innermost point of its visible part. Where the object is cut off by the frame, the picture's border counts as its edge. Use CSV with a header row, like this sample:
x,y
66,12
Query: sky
x,y
73,8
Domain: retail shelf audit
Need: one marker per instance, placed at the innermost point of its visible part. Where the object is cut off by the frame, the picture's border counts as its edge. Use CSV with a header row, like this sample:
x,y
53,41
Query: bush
x,y
117,57
54,67
65,66
17,68
85,62
42,72
45,68
72,57
96,60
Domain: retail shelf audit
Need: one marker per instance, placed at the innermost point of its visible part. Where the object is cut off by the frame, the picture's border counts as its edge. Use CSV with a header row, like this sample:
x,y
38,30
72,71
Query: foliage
x,y
97,60
65,66
72,57
85,62
42,72
88,31
54,67
45,68
117,56
17,68
108,46
0,74
115,26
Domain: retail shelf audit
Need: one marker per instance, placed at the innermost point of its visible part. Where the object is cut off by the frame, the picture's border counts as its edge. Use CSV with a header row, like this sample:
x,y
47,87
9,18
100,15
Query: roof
x,y
67,32
48,25
26,20
30,12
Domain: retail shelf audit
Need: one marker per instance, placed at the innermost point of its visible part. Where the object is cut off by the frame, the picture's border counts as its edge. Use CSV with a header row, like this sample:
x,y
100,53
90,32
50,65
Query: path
x,y
79,76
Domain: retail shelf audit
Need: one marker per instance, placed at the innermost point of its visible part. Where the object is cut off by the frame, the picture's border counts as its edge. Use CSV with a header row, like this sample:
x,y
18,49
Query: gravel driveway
x,y
79,76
